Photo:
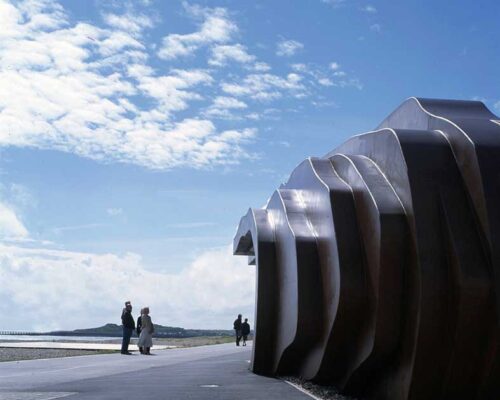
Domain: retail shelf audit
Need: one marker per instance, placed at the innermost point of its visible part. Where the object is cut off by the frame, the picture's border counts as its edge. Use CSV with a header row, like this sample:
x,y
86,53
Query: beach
x,y
18,354
31,347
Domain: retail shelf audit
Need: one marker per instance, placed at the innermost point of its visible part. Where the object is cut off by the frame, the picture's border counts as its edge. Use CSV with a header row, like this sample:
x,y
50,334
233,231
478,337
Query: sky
x,y
135,134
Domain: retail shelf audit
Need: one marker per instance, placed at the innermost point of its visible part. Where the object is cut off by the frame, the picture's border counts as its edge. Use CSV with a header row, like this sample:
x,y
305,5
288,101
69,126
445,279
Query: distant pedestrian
x,y
245,331
237,329
128,327
139,328
147,330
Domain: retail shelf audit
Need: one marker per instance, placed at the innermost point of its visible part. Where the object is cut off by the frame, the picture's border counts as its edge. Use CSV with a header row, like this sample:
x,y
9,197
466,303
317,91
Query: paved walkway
x,y
208,372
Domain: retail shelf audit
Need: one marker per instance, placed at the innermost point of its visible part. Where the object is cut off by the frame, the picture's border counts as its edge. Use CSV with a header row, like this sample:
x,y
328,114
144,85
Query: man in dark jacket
x,y
237,329
128,327
245,331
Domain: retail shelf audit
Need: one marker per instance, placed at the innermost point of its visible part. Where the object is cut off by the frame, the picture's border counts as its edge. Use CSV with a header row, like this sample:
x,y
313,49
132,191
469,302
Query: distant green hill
x,y
160,331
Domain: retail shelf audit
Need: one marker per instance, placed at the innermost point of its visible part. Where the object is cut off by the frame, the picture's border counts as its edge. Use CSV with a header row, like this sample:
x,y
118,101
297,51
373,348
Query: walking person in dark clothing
x,y
128,327
237,329
139,328
245,331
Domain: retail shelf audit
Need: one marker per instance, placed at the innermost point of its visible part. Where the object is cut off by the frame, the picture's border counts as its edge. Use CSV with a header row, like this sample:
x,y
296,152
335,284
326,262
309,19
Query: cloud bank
x,y
80,88
46,289
110,93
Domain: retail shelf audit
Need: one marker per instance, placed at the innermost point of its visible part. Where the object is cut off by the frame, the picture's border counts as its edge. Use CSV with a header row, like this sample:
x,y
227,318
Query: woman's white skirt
x,y
145,339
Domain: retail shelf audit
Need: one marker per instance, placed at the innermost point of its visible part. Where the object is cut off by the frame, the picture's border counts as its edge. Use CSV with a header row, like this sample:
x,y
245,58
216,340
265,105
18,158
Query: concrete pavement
x,y
208,372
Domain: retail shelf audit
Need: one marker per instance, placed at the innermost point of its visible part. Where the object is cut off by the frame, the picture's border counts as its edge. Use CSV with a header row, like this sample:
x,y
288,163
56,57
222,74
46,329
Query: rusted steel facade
x,y
378,265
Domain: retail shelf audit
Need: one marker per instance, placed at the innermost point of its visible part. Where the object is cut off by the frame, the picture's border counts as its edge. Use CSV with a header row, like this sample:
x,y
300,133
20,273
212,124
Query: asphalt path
x,y
207,372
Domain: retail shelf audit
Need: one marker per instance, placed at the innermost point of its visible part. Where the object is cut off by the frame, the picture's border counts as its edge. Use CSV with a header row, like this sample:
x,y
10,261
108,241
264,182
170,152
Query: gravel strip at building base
x,y
319,391
14,354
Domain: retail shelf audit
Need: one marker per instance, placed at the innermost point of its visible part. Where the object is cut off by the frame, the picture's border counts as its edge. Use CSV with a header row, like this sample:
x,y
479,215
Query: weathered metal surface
x,y
378,265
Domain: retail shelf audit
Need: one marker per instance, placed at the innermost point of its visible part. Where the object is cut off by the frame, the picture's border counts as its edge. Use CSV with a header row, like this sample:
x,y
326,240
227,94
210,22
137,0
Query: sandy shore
x,y
16,354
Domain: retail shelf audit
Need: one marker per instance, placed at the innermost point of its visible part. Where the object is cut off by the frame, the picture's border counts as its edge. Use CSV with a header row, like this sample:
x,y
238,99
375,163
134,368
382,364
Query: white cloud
x,y
89,289
369,9
288,47
261,67
334,3
325,82
354,82
335,66
114,211
93,91
376,28
253,116
299,67
321,103
222,107
331,76
228,102
266,86
69,91
128,22
170,90
221,54
15,193
62,229
10,225
496,106
215,27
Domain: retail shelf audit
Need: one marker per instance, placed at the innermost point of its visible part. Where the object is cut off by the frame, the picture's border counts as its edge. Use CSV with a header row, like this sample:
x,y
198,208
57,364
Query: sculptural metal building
x,y
378,265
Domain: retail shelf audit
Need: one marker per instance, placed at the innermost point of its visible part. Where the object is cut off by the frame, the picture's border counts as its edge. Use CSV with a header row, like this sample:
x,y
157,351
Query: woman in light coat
x,y
146,337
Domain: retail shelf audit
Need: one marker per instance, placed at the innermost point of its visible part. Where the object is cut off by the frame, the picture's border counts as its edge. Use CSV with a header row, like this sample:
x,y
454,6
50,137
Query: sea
x,y
53,338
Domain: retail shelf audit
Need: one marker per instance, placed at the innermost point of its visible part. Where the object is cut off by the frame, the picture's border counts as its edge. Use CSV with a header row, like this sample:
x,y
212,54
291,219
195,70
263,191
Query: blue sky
x,y
134,134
